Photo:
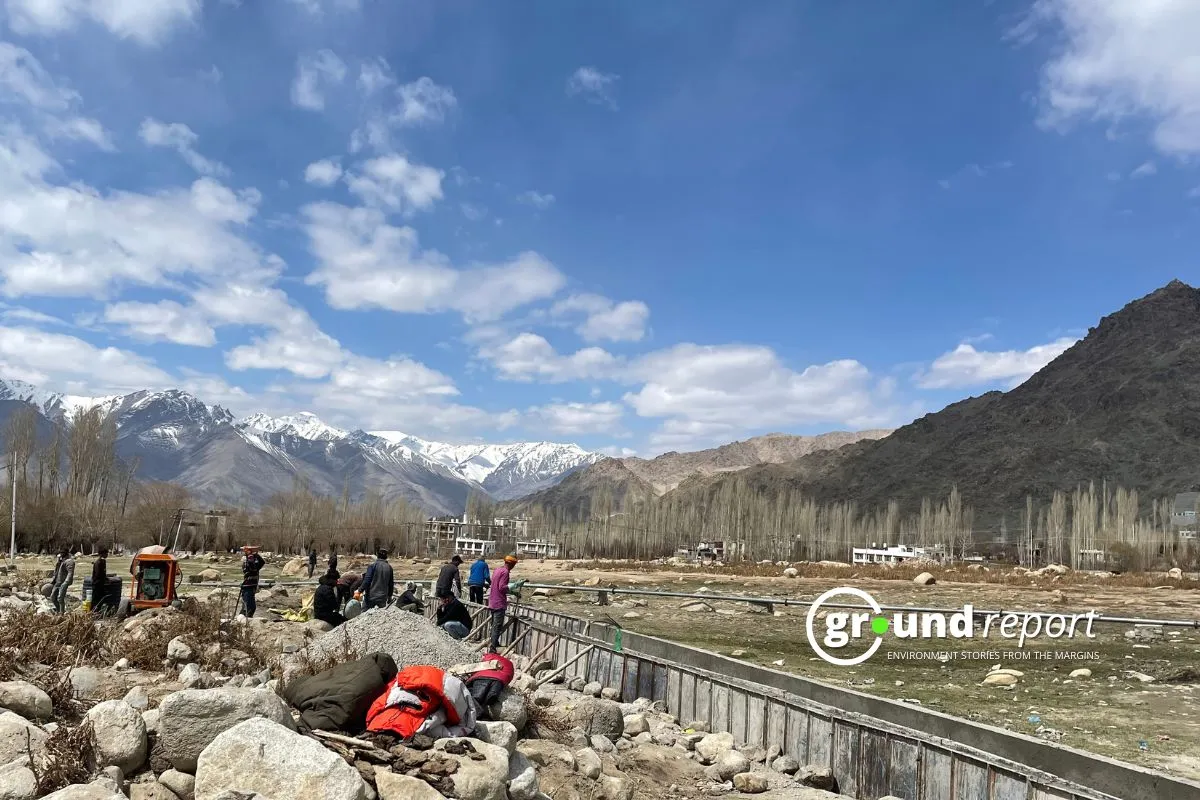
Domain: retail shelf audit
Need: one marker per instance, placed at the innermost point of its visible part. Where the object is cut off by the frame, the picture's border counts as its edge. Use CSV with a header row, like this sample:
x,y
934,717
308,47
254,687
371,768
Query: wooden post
x,y
508,651
563,668
534,659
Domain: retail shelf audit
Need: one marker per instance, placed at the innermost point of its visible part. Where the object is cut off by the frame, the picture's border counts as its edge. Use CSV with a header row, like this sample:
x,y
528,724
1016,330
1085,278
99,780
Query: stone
x,y
118,736
486,779
151,791
1175,574
713,746
391,786
750,783
510,708
925,579
613,787
609,693
259,755
818,778
786,764
698,607
190,676
754,753
791,572
18,737
1000,679
87,683
587,762
602,744
151,718
191,719
182,784
635,724
318,626
17,782
85,791
1082,672
546,753
26,700
729,764
138,698
522,778
179,650
631,615
501,734
597,717
210,576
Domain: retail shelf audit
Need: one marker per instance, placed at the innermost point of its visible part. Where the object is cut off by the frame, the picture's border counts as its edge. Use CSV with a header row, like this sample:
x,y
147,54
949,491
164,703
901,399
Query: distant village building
x,y
704,552
538,548
896,554
1183,513
445,536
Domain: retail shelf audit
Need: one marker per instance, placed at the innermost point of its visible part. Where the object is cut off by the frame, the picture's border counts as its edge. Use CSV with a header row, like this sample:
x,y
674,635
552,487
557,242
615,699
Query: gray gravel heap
x,y
407,637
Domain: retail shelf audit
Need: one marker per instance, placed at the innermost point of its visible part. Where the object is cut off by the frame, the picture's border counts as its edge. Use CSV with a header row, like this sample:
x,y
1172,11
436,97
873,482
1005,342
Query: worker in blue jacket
x,y
479,577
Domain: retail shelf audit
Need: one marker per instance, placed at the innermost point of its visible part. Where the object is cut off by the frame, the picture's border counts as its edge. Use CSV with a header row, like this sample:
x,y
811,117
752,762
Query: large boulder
x,y
297,566
180,783
88,683
392,786
502,734
17,782
118,736
925,579
18,738
511,708
190,720
486,779
588,763
151,791
522,778
730,764
264,757
86,791
210,575
597,717
25,699
713,746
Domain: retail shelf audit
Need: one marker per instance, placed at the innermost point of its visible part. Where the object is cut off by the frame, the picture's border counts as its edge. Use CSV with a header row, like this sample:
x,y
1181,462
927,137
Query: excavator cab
x,y
155,584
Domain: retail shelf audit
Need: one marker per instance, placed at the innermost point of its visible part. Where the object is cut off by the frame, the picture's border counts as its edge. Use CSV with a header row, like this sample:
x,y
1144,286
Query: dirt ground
x,y
1113,712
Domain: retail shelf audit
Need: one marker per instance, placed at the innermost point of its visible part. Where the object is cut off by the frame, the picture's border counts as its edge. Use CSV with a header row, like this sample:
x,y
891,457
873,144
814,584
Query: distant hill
x,y
1121,405
618,478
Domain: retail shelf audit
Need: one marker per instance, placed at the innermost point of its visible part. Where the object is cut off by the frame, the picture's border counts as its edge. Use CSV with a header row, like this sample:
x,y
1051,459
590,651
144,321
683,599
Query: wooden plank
x,y
687,698
704,693
935,774
674,699
598,667
875,756
1042,793
756,720
820,742
905,768
797,734
720,712
777,726
845,758
1008,786
970,780
645,684
660,692
737,715
630,684
616,672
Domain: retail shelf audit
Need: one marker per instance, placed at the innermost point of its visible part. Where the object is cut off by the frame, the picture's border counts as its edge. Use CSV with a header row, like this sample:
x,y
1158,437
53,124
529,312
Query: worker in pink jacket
x,y
498,600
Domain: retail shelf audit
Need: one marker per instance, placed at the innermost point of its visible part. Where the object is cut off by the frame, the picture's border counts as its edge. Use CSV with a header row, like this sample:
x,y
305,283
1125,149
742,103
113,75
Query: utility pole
x,y
12,539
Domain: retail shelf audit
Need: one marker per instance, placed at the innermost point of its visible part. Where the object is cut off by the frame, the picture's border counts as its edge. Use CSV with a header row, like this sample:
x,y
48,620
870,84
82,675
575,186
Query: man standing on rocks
x,y
312,561
100,582
498,600
378,584
252,564
64,576
449,582
479,577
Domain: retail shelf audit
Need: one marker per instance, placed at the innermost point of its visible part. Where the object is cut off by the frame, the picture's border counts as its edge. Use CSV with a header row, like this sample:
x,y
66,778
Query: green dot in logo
x,y
879,625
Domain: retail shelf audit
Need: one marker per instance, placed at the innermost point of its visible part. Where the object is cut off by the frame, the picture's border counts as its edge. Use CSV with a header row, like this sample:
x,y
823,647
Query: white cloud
x,y
529,357
577,419
396,378
318,7
147,22
374,76
316,74
80,129
965,366
594,86
55,359
165,320
303,350
536,199
1144,171
614,451
181,139
323,173
604,320
395,183
364,262
424,102
24,82
70,239
1124,61
974,170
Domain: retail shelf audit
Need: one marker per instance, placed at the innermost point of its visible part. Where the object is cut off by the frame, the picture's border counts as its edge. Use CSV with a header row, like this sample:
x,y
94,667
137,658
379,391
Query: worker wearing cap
x,y
498,600
449,581
252,564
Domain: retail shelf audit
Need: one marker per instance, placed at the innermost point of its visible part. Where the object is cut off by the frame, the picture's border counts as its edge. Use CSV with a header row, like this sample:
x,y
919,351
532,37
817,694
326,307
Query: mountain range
x,y
1121,406
226,461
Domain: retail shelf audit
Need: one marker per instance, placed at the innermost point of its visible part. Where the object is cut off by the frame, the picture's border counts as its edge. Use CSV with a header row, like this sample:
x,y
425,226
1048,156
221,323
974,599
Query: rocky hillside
x,y
1122,405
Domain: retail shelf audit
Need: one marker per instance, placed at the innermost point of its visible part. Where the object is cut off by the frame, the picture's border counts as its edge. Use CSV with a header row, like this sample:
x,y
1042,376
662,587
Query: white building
x,y
538,548
896,554
467,546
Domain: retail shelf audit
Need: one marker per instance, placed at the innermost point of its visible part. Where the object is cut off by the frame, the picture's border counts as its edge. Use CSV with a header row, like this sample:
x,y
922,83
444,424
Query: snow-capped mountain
x,y
173,436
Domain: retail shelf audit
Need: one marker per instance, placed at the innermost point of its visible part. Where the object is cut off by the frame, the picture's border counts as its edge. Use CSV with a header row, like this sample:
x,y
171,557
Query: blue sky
x,y
638,226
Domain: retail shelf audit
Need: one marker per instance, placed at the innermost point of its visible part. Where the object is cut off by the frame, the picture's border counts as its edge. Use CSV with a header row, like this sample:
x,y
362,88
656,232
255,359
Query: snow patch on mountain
x,y
305,425
54,405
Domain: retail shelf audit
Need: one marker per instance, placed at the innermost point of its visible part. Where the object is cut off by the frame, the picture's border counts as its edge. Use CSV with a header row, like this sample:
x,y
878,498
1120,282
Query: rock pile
x,y
408,638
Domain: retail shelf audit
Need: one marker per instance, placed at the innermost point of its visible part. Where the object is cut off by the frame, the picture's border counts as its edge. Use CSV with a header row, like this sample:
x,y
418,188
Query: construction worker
x,y
312,561
453,617
498,600
478,578
100,581
325,601
378,584
252,564
449,582
64,576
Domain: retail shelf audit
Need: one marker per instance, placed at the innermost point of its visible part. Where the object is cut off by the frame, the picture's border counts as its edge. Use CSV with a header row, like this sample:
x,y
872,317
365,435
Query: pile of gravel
x,y
407,637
